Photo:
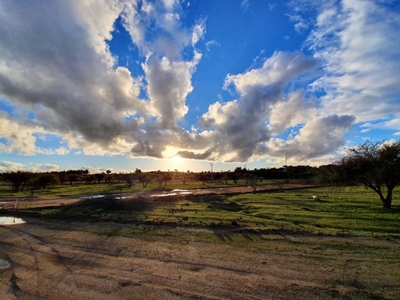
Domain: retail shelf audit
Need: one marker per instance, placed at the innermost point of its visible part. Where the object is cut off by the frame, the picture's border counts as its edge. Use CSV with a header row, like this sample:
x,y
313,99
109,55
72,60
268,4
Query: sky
x,y
194,84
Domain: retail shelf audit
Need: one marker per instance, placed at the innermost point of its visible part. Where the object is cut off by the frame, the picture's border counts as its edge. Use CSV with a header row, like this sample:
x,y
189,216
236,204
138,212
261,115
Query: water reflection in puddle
x,y
102,196
174,192
93,197
11,221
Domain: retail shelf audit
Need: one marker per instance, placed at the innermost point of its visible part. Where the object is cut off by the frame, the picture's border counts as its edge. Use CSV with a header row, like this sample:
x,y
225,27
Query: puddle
x,y
174,192
4,264
93,197
102,196
164,195
11,221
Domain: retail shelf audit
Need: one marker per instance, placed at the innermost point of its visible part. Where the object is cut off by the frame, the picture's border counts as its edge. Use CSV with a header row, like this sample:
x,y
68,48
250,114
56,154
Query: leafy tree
x,y
108,178
72,177
166,178
17,179
235,176
89,178
163,178
144,179
203,177
99,177
46,179
375,165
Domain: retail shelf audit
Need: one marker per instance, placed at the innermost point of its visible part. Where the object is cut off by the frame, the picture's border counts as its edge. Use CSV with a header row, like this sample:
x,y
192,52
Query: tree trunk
x,y
387,202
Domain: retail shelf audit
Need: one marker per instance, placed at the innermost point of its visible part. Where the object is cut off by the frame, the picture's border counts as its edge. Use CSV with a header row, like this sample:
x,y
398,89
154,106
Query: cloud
x,y
357,44
294,110
241,126
56,67
66,76
38,168
245,4
63,71
21,136
8,166
317,138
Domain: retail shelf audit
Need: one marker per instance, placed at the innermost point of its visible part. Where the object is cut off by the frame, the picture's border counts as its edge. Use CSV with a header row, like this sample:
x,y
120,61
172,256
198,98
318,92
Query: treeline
x,y
23,180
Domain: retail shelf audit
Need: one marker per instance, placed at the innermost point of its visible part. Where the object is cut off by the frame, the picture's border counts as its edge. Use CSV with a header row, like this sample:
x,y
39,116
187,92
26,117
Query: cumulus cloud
x,y
63,71
241,126
8,166
317,138
55,62
21,137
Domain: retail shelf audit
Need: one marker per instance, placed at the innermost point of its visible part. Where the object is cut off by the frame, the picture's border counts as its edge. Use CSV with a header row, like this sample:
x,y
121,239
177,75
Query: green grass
x,y
345,232
354,211
67,190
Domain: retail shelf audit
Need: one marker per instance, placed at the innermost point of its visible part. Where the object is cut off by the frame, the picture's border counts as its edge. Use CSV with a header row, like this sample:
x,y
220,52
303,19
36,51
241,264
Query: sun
x,y
176,158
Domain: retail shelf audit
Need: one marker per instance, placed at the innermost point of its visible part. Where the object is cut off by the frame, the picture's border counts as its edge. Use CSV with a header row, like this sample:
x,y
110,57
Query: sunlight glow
x,y
176,158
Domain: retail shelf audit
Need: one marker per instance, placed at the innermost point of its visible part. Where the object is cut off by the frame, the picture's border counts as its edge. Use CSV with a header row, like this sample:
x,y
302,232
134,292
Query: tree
x,y
375,165
202,177
99,177
72,177
144,179
166,178
47,179
17,179
89,178
252,182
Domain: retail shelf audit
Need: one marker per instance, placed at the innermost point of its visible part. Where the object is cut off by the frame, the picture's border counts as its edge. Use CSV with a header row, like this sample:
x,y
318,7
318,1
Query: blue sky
x,y
179,84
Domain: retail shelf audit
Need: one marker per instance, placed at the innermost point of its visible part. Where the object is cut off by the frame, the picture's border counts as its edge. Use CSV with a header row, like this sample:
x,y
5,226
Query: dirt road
x,y
64,260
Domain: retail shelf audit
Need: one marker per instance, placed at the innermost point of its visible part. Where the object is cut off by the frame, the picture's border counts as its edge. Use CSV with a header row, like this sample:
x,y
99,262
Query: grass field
x,y
267,245
345,211
66,190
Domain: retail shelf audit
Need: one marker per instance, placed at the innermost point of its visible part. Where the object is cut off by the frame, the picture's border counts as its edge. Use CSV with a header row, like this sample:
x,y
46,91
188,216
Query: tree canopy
x,y
375,165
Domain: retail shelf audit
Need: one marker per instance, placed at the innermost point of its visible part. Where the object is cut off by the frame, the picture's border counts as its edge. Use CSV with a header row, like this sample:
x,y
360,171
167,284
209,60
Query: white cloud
x,y
8,166
240,126
66,76
38,168
317,138
18,137
357,43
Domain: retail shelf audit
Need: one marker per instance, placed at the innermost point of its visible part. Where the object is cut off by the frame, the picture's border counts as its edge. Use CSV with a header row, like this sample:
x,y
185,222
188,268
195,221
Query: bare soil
x,y
67,260
56,259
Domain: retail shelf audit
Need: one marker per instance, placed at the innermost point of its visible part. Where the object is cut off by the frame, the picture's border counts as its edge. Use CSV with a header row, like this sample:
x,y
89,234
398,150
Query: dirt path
x,y
61,260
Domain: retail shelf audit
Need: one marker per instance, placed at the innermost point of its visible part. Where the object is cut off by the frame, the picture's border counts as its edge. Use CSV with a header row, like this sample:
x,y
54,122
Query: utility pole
x,y
211,164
